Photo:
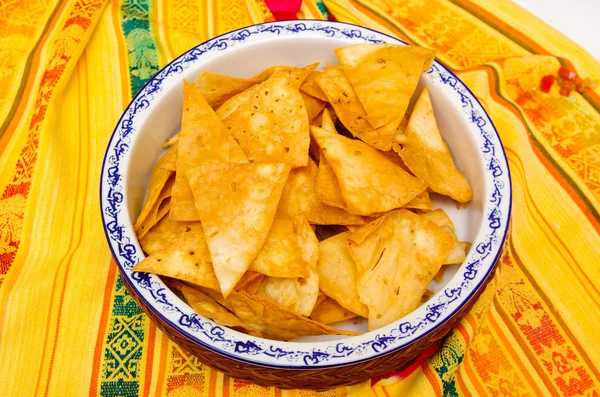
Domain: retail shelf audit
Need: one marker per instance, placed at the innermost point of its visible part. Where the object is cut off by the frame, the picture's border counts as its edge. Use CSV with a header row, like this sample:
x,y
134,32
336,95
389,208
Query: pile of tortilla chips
x,y
268,220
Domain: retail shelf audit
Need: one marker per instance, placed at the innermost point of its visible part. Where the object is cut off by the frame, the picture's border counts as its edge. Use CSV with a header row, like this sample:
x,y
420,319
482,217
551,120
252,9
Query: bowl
x,y
154,115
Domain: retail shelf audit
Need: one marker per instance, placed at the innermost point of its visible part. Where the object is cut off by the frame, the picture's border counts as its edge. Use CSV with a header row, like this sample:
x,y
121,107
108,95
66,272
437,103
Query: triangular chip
x,y
313,106
297,294
274,321
328,188
384,77
311,87
369,181
231,105
421,202
250,282
158,180
203,137
161,207
217,88
166,232
338,273
426,154
209,308
187,259
300,197
169,160
397,259
171,141
440,218
350,111
328,311
327,122
295,74
237,204
274,126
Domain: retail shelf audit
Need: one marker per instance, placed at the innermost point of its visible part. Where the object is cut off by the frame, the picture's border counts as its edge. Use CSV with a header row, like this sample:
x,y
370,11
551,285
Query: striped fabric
x,y
69,328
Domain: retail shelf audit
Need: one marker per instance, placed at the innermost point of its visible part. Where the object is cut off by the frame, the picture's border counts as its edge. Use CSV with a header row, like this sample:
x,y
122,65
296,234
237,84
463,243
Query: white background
x,y
579,20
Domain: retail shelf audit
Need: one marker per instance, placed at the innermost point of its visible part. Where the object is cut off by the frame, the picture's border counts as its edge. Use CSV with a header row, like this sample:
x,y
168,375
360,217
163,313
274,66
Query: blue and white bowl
x,y
154,115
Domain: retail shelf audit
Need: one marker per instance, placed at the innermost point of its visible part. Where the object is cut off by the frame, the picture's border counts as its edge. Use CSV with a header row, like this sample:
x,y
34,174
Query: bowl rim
x,y
243,347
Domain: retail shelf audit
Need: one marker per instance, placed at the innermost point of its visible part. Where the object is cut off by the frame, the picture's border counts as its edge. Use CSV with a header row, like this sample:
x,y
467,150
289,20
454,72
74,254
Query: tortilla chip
x,y
158,180
314,106
295,74
161,207
171,141
440,218
169,160
350,111
327,122
396,159
397,259
337,273
274,321
273,125
281,254
369,182
203,137
217,88
250,282
231,105
237,204
328,187
426,154
329,311
311,87
421,202
320,298
166,232
384,77
300,197
187,259
297,294
209,308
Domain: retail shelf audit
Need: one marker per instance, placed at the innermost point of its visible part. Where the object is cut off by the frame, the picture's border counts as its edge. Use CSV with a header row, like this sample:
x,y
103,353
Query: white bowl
x,y
155,115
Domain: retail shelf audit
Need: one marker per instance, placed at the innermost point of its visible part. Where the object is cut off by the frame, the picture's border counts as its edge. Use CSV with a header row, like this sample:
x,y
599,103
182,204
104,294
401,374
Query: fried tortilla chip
x,y
161,207
187,259
158,180
237,204
327,122
311,87
329,311
273,126
397,259
421,202
274,321
171,141
203,137
166,232
169,160
209,308
314,106
440,218
328,187
350,111
337,273
370,183
300,197
426,154
297,294
250,282
384,77
217,88
295,74
231,105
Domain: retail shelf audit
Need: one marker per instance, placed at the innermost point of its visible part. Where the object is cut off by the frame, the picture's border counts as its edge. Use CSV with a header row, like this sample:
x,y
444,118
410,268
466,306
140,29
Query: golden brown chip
x,y
237,204
440,218
300,197
370,183
203,137
350,111
217,88
396,159
171,141
421,202
397,259
314,106
295,74
158,180
231,105
208,307
274,321
161,207
297,294
426,154
169,160
329,311
250,282
166,232
272,126
384,77
320,298
327,122
311,87
338,273
328,187
187,259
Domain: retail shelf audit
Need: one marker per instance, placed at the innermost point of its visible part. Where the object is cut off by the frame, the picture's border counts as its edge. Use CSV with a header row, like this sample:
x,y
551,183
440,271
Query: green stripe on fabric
x,y
123,359
446,362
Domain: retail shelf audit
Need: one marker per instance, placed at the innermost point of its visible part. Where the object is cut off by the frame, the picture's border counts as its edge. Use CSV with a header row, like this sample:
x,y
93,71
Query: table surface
x,y
576,19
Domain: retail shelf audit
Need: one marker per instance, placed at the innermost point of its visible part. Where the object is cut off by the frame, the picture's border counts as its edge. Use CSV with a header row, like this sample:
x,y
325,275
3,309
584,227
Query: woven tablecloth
x,y
69,328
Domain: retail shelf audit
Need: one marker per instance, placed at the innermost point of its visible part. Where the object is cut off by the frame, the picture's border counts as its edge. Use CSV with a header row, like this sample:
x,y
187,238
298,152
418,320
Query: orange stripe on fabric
x,y
212,383
380,18
432,378
149,358
461,383
162,364
529,202
513,354
467,364
29,77
102,329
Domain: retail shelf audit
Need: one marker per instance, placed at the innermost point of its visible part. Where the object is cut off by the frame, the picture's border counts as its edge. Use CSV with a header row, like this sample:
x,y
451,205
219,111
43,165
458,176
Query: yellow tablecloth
x,y
67,71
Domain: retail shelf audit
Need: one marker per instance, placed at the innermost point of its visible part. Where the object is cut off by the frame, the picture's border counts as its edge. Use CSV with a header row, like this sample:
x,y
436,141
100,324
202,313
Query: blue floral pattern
x,y
150,288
